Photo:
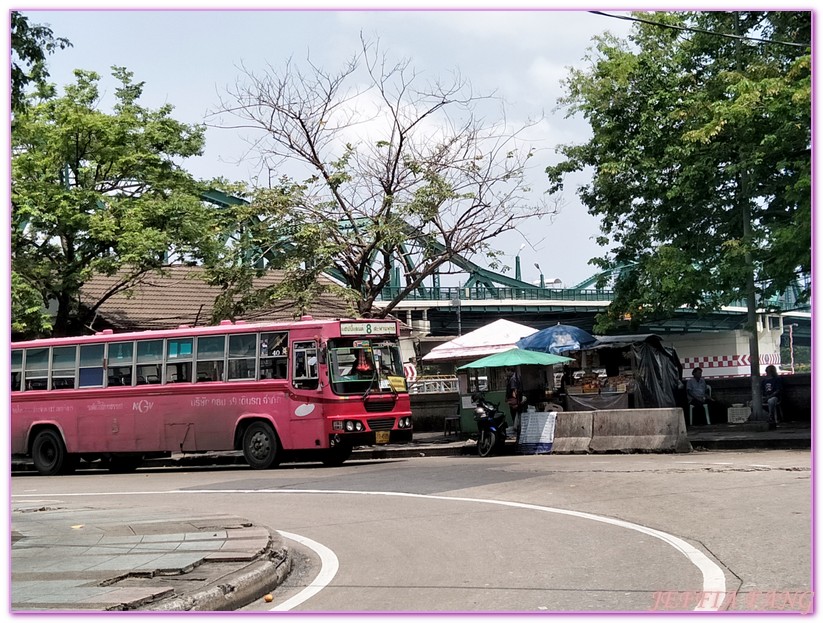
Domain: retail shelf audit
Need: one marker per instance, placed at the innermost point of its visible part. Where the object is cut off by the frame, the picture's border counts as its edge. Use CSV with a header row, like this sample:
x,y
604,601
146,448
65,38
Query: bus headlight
x,y
349,426
358,425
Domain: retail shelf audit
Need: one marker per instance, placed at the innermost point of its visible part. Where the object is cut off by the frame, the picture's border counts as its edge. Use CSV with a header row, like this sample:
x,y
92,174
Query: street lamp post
x,y
517,262
542,279
456,303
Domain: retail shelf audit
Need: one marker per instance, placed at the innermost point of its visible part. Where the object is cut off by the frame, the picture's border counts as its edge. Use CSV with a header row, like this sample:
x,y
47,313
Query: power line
x,y
705,32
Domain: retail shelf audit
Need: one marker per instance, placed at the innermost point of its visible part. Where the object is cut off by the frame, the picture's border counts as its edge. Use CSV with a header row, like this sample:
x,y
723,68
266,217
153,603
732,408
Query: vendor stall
x,y
614,372
624,372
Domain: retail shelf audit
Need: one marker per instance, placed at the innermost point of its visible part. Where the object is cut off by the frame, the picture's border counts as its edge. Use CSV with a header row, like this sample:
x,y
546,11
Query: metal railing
x,y
433,385
481,293
786,301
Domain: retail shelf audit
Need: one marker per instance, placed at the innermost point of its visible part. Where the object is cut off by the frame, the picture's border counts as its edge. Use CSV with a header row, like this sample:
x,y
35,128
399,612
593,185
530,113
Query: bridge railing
x,y
433,385
786,301
496,294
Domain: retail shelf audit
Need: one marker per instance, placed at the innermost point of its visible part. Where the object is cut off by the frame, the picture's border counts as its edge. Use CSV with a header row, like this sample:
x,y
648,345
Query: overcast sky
x,y
187,57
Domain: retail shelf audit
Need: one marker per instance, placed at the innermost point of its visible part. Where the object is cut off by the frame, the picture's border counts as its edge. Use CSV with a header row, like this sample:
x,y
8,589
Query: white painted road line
x,y
328,569
714,580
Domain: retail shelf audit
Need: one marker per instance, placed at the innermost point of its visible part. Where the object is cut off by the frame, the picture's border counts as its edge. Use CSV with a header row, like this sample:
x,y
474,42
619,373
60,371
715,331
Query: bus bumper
x,y
372,438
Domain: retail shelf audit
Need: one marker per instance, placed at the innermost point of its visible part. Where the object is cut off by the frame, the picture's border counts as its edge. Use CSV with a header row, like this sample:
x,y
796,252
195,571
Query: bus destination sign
x,y
367,328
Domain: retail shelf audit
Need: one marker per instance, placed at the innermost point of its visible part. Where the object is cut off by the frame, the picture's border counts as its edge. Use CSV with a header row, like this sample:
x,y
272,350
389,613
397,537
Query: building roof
x,y
182,296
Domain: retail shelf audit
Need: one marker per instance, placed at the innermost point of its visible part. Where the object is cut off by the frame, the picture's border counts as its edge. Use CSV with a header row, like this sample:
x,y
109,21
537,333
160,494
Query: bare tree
x,y
397,172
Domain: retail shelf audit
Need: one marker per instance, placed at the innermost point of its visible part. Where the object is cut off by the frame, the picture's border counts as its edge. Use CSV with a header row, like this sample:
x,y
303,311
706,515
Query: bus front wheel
x,y
49,454
260,446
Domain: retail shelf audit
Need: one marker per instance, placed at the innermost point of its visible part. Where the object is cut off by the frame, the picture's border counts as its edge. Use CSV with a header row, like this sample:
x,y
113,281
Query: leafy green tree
x,y
394,176
30,44
701,160
97,192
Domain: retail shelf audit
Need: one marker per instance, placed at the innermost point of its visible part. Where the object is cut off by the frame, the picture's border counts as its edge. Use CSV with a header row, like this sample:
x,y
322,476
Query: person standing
x,y
514,396
772,388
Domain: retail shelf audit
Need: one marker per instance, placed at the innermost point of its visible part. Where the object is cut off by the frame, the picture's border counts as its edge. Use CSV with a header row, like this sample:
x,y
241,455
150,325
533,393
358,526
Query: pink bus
x,y
306,390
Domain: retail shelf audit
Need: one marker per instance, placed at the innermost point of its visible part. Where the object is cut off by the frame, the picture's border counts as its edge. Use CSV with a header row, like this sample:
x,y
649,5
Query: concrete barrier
x,y
572,432
639,430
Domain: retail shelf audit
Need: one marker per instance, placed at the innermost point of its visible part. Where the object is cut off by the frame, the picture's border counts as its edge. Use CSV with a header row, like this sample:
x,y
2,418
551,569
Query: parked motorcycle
x,y
491,425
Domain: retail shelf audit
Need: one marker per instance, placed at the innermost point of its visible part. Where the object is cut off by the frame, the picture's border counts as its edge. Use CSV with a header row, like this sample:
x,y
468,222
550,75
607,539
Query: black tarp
x,y
657,368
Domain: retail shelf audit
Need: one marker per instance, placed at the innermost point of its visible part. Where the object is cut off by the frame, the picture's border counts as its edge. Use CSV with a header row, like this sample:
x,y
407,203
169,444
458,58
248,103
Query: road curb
x,y
234,590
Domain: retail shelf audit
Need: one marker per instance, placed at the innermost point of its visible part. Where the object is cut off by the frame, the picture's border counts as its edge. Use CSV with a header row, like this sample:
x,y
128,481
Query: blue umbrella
x,y
558,339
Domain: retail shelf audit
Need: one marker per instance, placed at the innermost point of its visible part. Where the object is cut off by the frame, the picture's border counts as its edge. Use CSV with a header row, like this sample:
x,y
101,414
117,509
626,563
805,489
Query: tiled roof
x,y
183,297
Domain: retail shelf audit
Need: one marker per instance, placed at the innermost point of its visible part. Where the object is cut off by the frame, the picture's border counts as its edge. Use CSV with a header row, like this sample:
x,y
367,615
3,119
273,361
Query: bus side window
x,y
37,368
178,360
63,367
242,357
211,353
16,370
148,374
274,355
91,365
120,364
149,361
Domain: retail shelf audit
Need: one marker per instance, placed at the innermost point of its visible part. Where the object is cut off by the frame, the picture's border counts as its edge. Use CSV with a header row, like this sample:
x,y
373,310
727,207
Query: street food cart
x,y
536,376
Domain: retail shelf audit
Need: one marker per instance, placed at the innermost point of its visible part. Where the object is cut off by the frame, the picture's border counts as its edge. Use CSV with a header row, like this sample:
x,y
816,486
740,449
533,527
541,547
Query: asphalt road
x,y
544,533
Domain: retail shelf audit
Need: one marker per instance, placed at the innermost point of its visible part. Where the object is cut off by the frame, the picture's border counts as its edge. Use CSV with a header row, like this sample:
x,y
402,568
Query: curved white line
x,y
714,580
328,569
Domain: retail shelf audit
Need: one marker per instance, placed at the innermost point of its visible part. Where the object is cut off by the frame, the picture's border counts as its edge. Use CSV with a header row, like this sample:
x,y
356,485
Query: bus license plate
x,y
381,436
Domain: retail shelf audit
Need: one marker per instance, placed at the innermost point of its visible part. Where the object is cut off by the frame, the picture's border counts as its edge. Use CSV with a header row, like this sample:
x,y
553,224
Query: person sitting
x,y
772,388
698,392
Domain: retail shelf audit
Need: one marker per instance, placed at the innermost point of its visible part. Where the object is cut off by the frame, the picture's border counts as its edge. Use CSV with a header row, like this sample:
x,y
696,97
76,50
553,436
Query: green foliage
x,y
30,44
96,192
29,316
693,134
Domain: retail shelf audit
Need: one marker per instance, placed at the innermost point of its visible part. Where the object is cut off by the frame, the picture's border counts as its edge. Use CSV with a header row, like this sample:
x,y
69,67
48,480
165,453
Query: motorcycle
x,y
491,425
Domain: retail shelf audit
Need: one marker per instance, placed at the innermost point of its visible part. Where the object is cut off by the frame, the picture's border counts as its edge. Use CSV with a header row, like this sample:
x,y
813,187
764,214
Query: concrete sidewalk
x,y
95,560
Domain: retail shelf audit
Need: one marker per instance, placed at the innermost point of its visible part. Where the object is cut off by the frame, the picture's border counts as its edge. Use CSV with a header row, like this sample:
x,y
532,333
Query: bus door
x,y
306,420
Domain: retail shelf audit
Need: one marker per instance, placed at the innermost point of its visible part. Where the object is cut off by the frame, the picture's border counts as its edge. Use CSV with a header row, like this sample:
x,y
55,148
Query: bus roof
x,y
225,326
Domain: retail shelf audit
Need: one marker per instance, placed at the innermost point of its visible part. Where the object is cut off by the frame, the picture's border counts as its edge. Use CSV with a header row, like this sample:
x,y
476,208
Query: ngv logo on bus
x,y
142,406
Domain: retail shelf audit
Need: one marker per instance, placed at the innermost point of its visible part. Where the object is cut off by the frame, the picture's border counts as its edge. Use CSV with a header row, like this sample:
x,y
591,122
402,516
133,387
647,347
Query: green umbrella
x,y
516,357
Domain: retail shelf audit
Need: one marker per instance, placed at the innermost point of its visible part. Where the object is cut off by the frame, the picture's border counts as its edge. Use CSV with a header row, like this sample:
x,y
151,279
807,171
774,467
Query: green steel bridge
x,y
485,296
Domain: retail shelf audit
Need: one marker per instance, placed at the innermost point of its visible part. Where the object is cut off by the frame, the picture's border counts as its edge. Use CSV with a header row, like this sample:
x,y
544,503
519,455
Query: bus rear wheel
x,y
49,454
260,446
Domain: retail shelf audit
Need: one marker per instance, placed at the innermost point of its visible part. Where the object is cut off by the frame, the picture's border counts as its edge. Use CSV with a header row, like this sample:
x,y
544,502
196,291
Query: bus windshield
x,y
360,365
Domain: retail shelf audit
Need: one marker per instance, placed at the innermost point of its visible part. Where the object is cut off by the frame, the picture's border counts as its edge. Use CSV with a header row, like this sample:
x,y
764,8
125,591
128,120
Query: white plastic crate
x,y
738,415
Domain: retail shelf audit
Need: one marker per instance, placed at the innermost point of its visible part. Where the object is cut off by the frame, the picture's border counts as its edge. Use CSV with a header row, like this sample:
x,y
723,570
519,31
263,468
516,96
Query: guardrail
x,y
433,385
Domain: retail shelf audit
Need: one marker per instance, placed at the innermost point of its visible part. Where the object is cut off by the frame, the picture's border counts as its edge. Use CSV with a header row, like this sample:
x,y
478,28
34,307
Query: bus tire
x,y
337,455
260,446
49,453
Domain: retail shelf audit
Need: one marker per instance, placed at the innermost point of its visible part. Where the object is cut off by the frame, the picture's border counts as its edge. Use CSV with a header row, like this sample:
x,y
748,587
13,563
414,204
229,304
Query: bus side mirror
x,y
321,354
